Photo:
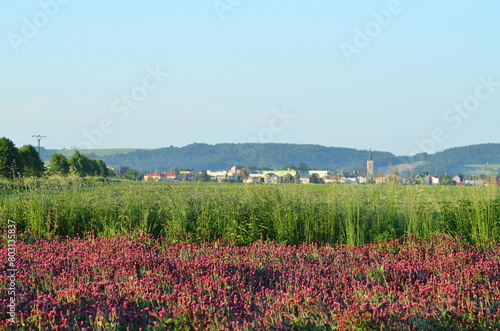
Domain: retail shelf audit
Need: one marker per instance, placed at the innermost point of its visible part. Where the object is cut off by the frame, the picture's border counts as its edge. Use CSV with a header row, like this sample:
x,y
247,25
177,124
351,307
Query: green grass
x,y
100,152
483,169
350,214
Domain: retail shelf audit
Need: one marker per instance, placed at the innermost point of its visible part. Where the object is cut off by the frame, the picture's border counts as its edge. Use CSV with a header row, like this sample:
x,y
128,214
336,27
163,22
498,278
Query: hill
x,y
275,156
468,159
223,156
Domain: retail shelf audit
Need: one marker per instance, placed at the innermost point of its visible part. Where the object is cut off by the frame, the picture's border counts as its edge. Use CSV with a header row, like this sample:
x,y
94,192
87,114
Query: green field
x,y
100,152
349,214
484,169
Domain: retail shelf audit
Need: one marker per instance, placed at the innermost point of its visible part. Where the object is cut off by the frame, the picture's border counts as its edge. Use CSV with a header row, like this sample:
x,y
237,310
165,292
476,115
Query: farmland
x,y
99,255
112,283
292,214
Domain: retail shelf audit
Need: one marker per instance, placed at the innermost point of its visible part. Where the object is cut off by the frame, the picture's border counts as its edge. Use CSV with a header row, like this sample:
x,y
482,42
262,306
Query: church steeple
x,y
370,166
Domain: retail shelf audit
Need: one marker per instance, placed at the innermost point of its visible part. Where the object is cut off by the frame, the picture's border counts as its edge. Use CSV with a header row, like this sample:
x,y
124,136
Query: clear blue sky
x,y
251,70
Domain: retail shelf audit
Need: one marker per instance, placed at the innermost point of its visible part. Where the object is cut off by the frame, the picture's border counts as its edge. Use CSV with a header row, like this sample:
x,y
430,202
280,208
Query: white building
x,y
431,180
321,173
222,175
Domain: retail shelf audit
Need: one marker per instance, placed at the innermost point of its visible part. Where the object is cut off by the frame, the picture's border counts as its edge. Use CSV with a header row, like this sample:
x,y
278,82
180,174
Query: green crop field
x,y
242,214
100,152
90,254
484,169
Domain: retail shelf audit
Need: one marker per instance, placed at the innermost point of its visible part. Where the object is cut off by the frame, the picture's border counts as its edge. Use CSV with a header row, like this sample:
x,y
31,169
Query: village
x,y
315,177
291,175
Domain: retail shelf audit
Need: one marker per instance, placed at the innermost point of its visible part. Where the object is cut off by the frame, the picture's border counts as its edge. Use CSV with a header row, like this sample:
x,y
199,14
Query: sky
x,y
399,76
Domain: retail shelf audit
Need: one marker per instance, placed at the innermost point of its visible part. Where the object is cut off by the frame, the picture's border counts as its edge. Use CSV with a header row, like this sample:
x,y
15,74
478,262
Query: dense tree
x,y
93,168
59,164
276,156
447,180
103,169
315,179
85,166
32,164
10,161
80,164
244,174
261,156
303,167
132,174
202,176
287,179
296,178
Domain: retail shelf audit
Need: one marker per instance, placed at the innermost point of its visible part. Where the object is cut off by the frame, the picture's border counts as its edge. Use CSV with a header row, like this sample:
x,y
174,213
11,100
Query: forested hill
x,y
463,159
276,156
223,156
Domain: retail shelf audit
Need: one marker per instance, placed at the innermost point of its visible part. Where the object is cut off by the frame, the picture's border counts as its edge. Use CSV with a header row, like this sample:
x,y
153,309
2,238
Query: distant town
x,y
303,175
27,162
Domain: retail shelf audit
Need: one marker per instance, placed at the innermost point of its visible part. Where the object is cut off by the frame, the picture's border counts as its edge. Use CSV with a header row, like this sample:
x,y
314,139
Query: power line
x,y
39,137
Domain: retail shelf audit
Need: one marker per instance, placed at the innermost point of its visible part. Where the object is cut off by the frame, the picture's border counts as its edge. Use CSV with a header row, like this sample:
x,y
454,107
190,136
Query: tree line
x,y
267,155
26,162
275,156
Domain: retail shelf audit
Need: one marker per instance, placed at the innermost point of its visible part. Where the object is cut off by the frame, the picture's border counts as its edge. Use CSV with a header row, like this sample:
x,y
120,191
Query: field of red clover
x,y
125,283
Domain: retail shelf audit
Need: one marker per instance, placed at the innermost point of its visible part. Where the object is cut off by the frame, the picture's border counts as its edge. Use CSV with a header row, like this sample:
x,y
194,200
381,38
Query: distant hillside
x,y
272,156
463,159
47,153
275,156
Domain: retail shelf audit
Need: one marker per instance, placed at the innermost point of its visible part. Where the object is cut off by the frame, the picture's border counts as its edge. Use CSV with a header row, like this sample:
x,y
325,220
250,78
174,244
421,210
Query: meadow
x,y
91,254
142,283
292,214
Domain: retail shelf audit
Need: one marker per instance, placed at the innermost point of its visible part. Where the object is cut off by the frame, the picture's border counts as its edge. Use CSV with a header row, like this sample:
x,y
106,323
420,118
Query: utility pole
x,y
39,137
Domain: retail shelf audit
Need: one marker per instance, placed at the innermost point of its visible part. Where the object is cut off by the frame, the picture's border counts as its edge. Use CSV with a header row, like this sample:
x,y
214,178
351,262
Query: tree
x,y
59,164
132,174
202,176
94,168
33,165
244,174
80,163
10,161
297,177
303,167
103,169
447,180
85,166
315,179
287,179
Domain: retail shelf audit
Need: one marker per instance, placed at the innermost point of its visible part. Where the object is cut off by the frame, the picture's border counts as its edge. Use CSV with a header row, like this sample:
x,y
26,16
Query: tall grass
x,y
351,214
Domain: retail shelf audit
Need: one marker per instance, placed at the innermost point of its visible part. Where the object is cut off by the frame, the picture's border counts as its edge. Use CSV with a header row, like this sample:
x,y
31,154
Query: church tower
x,y
370,167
